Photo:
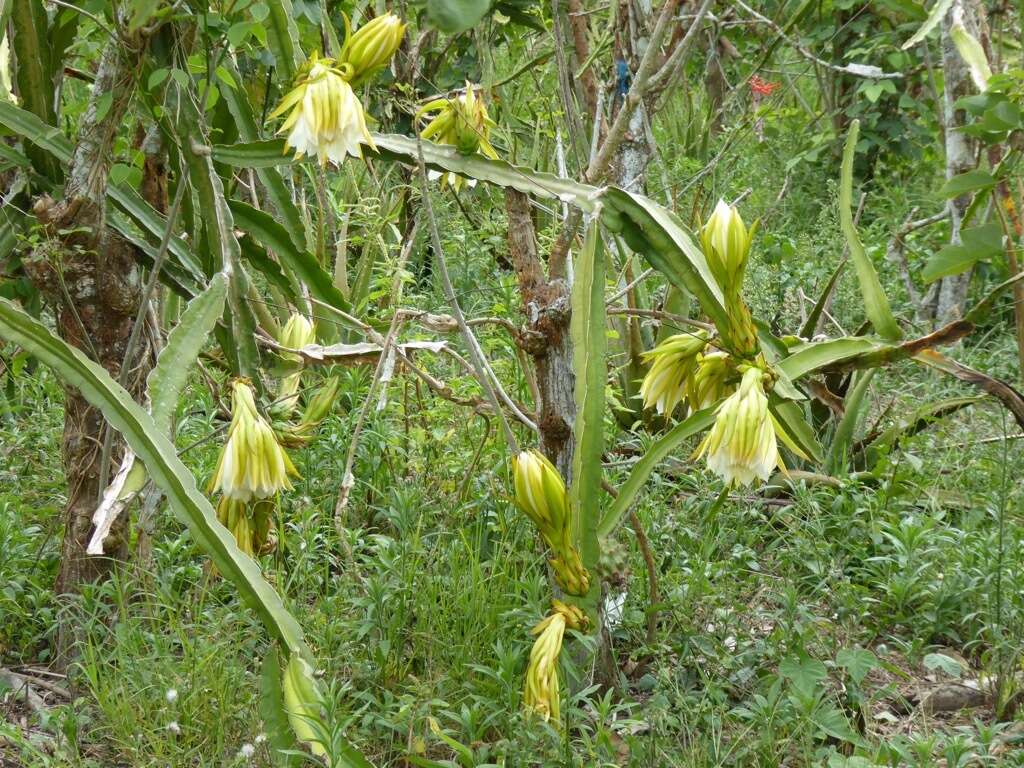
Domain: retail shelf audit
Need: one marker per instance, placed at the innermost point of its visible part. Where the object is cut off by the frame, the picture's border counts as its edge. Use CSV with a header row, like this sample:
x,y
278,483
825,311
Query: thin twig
x,y
476,354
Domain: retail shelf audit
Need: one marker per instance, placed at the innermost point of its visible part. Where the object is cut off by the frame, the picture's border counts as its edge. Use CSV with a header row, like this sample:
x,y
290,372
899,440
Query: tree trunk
x,y
89,275
961,152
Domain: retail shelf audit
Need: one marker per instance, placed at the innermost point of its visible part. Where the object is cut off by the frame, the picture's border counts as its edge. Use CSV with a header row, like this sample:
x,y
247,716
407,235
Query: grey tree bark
x,y
89,275
961,151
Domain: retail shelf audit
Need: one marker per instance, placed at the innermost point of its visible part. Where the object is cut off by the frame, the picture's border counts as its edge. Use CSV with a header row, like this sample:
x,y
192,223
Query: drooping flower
x,y
462,122
371,47
541,693
674,362
741,445
252,463
325,117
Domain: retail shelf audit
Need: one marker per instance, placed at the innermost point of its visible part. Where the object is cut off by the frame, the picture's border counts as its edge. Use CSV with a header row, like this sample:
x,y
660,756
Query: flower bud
x,y
296,334
371,47
674,363
742,445
726,243
708,385
540,494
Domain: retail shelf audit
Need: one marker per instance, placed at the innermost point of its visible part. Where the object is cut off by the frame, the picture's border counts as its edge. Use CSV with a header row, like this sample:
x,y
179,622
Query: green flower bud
x,y
462,122
371,47
726,243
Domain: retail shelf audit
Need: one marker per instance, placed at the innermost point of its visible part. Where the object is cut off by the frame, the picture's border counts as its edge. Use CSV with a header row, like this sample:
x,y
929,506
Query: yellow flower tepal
x,y
325,117
742,445
541,693
673,364
252,463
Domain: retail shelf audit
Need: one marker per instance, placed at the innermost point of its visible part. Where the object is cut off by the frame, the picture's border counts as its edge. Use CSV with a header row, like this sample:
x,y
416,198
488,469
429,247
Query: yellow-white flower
x,y
326,118
674,362
371,47
462,122
741,445
252,463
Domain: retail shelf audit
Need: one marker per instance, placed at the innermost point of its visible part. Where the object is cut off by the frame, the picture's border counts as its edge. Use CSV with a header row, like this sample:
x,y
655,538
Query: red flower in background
x,y
762,87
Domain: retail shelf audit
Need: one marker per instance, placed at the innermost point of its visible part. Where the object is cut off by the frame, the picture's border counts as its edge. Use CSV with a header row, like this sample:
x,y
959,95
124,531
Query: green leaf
x,y
790,417
876,305
103,104
935,15
804,672
272,708
454,16
652,231
813,356
283,39
842,440
437,157
966,183
690,426
184,343
587,327
263,229
166,469
976,243
857,662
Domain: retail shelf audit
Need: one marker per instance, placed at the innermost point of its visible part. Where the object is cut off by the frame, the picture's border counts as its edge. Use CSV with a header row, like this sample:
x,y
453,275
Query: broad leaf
x,y
876,305
975,244
692,425
966,183
454,16
587,327
437,157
